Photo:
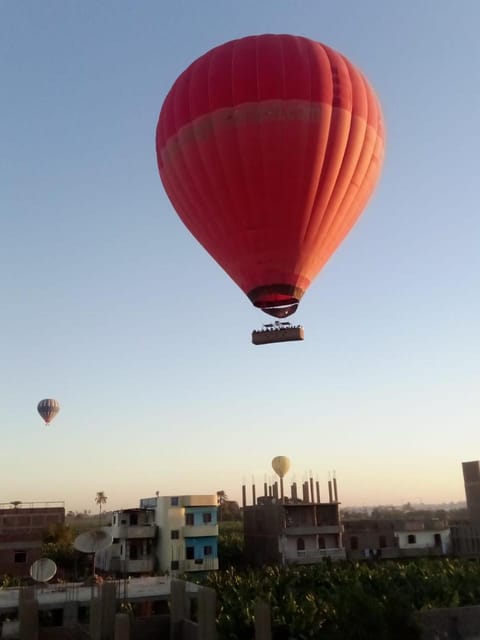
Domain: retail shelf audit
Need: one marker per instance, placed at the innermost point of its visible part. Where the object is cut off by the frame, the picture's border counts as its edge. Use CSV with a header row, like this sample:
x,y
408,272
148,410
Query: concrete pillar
x,y
244,495
70,614
95,619
330,494
317,487
122,626
305,492
254,495
108,596
335,490
207,609
178,608
263,623
312,495
27,614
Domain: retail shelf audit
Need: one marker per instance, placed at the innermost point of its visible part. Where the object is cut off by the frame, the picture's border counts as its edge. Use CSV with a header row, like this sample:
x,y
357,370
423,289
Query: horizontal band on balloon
x,y
215,123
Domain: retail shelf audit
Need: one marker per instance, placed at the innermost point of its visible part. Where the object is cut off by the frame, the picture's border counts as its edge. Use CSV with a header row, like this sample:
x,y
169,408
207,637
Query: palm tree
x,y
100,499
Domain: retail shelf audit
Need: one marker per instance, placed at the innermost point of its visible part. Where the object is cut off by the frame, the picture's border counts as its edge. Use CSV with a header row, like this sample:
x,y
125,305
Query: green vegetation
x,y
343,601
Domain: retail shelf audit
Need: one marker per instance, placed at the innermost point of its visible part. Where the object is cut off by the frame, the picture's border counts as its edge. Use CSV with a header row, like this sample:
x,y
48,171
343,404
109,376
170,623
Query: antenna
x,y
43,570
91,542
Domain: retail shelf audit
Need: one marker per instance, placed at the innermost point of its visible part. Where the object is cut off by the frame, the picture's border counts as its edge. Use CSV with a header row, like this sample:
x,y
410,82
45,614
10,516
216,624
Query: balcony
x,y
308,529
314,556
205,564
142,565
200,531
130,532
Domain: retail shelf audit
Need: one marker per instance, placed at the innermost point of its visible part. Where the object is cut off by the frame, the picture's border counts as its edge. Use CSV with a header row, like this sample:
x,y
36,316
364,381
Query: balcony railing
x,y
133,531
314,555
203,564
200,531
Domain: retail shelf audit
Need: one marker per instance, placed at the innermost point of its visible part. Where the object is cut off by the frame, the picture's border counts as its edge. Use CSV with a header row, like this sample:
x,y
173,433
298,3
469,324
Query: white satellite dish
x,y
93,541
43,570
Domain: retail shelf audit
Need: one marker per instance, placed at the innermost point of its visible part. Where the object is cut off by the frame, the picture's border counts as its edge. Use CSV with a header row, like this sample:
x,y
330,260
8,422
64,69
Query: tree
x,y
100,499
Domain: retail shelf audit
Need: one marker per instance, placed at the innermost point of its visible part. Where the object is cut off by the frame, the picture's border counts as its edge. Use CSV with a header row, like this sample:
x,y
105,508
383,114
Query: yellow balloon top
x,y
281,465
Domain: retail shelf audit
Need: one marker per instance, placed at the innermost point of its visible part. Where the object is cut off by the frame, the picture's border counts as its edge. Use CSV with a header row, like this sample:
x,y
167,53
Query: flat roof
x,y
54,596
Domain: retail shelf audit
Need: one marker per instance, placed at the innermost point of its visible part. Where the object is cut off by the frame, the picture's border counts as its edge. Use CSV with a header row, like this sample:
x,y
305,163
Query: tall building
x,y
281,529
166,533
471,480
22,529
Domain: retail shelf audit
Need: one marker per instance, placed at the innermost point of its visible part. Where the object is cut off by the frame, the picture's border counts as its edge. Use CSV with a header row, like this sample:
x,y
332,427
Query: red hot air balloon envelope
x,y
48,409
269,148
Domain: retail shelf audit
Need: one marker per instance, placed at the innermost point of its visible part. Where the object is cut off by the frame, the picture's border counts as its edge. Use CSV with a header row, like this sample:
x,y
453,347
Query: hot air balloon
x,y
269,148
281,465
48,409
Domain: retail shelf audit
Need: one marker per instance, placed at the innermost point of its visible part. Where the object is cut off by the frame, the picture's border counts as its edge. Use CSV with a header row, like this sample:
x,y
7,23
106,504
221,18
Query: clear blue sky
x,y
110,306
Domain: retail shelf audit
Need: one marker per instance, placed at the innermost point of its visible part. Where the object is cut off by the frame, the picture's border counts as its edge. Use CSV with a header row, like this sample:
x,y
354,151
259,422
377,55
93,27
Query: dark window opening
x,y
190,553
321,542
300,544
411,538
207,517
133,519
189,519
382,541
174,534
133,552
174,501
353,543
207,550
174,564
20,557
437,539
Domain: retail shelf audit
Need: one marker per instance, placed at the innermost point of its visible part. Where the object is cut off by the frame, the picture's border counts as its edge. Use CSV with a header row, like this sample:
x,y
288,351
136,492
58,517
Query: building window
x,y
20,557
207,550
174,534
353,543
133,519
174,501
300,544
382,542
174,565
123,521
190,553
114,518
189,519
133,552
321,542
437,539
411,539
207,517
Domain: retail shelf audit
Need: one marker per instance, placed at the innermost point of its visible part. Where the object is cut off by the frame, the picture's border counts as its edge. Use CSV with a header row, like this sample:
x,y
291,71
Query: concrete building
x,y
471,481
423,537
166,534
280,529
22,529
396,539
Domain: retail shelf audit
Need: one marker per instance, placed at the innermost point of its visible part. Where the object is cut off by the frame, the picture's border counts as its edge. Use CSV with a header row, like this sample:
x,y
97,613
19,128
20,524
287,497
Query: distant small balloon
x,y
281,465
48,409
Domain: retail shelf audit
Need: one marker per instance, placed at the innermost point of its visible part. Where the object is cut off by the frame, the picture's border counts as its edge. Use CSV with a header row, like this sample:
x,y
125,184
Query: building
x,y
423,537
165,534
395,538
22,530
281,530
134,533
471,481
370,539
466,533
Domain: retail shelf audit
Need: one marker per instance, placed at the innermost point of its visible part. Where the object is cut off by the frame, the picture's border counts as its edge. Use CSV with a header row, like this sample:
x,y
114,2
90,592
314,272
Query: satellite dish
x,y
93,541
43,570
